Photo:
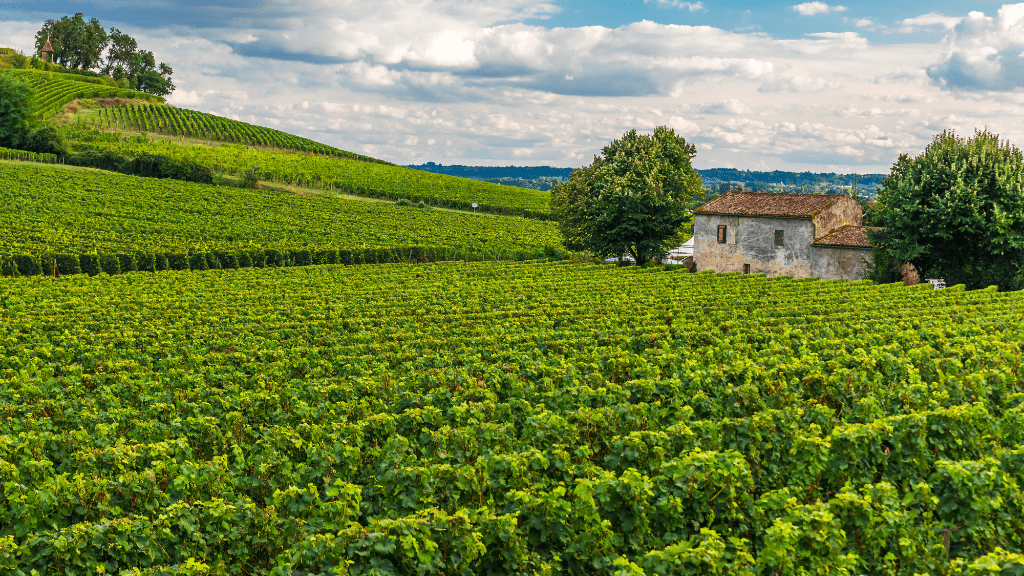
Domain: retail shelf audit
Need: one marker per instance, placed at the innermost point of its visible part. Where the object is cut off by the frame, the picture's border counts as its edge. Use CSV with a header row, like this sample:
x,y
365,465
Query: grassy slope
x,y
277,164
354,177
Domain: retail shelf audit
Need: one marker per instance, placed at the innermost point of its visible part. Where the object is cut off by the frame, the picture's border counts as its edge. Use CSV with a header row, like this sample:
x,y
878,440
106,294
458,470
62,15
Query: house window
x,y
778,238
746,268
721,234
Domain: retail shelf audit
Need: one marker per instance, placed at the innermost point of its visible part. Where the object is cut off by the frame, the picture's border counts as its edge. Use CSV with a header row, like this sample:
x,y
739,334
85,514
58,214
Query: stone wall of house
x,y
751,240
845,212
839,262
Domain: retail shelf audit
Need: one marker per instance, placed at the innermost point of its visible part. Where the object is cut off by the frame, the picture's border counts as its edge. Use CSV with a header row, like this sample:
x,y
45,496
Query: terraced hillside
x,y
55,89
489,418
276,155
362,178
59,221
163,119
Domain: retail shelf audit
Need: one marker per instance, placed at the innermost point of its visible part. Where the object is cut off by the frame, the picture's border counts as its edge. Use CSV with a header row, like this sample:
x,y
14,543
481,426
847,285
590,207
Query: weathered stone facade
x,y
797,235
750,241
839,262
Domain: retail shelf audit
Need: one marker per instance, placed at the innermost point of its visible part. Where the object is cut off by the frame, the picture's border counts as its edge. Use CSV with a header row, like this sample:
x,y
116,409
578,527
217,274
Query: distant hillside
x,y
539,177
495,172
781,180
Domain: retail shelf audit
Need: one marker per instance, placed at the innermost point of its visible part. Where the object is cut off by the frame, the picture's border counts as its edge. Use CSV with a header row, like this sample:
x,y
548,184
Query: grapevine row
x,y
508,418
346,176
53,90
56,221
181,122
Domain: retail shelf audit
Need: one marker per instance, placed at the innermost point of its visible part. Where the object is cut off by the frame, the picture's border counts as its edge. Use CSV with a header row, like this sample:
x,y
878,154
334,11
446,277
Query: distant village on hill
x,y
715,179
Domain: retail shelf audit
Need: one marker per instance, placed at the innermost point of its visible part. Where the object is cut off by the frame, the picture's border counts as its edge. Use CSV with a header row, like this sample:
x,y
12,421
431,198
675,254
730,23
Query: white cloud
x,y
798,84
475,83
185,99
813,8
691,6
930,20
731,106
984,53
864,22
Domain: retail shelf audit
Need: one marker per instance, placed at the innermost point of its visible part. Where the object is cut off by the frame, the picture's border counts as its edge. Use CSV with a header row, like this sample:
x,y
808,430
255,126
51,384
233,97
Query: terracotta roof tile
x,y
852,236
47,47
769,204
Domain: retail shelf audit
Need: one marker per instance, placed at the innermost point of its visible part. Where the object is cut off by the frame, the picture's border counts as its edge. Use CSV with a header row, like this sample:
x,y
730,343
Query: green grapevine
x,y
57,221
55,89
507,418
375,180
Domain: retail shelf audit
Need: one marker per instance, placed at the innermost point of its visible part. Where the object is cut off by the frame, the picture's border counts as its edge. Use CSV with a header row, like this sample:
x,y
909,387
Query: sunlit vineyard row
x,y
53,90
342,175
507,419
165,119
60,221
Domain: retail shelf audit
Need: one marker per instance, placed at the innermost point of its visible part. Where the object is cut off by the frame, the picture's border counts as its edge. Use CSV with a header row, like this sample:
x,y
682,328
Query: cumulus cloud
x,y
731,106
482,83
929,20
813,8
691,6
798,84
984,53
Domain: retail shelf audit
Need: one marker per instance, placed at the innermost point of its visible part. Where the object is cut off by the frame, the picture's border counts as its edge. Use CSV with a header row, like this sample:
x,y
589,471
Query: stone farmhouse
x,y
796,235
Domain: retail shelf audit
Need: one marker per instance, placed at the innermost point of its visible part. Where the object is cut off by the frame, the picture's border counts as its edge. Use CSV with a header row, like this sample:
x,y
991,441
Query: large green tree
x,y
80,45
77,44
956,212
15,110
635,198
125,61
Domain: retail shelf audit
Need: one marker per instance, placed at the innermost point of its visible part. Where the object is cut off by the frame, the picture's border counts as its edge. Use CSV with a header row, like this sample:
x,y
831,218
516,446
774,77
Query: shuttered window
x,y
721,234
778,238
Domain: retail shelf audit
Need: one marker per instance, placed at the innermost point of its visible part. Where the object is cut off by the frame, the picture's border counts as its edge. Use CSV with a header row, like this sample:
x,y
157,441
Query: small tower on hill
x,y
46,54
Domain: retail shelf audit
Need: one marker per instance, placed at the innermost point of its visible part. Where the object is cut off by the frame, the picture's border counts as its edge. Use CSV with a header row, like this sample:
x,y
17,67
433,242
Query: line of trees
x,y
85,46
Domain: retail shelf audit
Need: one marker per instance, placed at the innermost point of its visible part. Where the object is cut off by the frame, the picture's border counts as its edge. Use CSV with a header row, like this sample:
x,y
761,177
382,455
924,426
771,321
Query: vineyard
x,y
56,221
507,418
54,89
339,174
163,119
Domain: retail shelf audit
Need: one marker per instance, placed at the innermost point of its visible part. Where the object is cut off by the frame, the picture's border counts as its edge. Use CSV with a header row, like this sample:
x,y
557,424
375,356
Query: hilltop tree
x,y
956,212
77,44
634,198
15,110
80,45
125,61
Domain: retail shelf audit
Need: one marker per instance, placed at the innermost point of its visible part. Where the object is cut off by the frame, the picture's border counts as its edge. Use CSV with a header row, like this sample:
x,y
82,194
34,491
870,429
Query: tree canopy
x,y
15,110
125,61
634,198
957,211
77,44
80,45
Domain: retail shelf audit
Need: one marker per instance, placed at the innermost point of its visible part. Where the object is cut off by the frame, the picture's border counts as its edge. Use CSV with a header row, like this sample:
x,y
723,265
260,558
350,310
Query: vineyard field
x,y
55,221
507,418
52,90
373,180
163,119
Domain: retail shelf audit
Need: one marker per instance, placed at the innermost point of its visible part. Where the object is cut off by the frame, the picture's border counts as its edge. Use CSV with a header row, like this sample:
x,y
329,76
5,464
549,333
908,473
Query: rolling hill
x,y
105,120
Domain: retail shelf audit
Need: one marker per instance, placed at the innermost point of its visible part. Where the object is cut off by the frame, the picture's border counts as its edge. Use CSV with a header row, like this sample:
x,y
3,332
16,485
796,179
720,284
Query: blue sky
x,y
821,86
